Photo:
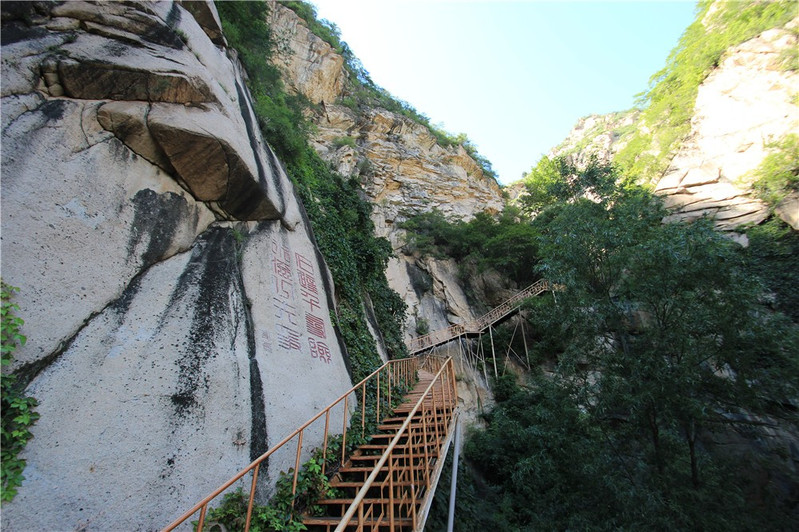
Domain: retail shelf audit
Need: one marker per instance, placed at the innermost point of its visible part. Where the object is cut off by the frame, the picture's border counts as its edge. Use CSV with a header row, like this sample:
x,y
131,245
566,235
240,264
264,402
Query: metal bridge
x,y
388,482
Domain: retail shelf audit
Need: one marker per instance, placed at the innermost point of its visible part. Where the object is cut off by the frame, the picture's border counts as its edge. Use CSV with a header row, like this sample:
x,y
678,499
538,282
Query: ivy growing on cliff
x,y
338,213
18,411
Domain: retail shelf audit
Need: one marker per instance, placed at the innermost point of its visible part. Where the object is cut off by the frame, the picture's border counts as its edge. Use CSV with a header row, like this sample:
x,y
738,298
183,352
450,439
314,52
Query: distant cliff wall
x,y
743,109
402,167
178,313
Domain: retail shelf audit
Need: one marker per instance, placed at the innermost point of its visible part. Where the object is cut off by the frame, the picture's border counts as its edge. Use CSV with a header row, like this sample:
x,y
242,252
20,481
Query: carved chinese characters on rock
x,y
296,304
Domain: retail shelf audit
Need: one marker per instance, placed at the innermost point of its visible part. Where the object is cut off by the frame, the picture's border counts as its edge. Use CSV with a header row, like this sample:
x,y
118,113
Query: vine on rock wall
x,y
18,413
339,216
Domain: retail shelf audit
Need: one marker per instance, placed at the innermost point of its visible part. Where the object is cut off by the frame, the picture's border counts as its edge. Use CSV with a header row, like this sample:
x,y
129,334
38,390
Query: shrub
x,y
18,413
778,173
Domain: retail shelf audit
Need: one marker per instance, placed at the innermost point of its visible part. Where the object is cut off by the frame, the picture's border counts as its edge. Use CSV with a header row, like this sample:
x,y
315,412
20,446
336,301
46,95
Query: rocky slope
x,y
401,166
743,108
178,313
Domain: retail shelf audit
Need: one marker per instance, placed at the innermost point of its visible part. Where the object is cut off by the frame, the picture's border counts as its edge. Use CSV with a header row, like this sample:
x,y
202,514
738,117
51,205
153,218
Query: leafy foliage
x,y
505,242
18,411
560,180
339,216
778,174
661,346
669,103
284,511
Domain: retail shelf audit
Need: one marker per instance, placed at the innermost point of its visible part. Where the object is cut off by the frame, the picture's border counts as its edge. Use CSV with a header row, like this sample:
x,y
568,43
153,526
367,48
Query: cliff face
x,y
401,166
176,307
597,135
743,108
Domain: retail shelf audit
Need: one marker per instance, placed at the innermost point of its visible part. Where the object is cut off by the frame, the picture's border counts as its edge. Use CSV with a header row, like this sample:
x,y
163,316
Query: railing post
x,y
377,405
344,430
454,484
252,498
296,469
424,443
391,490
363,410
493,353
202,517
324,448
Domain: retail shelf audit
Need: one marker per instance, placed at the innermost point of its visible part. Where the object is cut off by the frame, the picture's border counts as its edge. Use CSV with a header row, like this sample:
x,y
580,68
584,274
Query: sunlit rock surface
x,y
742,109
401,166
178,314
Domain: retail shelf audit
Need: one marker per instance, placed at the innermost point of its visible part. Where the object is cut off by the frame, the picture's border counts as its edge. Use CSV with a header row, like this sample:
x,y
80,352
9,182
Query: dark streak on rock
x,y
28,372
258,441
158,216
16,31
245,106
54,109
258,437
123,302
421,281
166,34
209,274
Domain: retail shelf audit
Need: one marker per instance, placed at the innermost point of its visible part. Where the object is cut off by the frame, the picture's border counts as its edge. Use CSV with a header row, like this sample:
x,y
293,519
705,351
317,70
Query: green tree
x,y
660,341
560,180
662,328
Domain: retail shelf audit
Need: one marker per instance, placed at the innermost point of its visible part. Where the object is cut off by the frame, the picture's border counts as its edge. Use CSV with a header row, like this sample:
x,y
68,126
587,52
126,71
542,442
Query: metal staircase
x,y
480,324
387,483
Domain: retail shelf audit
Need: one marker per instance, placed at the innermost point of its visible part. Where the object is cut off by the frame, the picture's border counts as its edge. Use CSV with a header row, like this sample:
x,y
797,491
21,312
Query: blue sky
x,y
513,75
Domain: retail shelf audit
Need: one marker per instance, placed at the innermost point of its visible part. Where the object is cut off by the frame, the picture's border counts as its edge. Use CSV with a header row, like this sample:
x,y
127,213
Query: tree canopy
x,y
662,348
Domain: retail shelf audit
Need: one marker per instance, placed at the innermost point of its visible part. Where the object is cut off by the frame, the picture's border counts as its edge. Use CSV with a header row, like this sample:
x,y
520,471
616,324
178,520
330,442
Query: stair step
x,y
370,522
355,484
368,469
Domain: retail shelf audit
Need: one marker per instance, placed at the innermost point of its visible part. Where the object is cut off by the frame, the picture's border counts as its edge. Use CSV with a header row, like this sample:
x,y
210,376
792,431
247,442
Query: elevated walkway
x,y
442,336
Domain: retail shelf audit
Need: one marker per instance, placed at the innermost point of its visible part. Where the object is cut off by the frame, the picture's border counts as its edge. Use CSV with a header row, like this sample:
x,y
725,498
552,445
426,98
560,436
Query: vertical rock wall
x,y
402,167
177,311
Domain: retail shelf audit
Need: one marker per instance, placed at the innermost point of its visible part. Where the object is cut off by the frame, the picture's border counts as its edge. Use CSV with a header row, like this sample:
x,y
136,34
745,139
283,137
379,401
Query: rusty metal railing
x,y
480,324
509,305
395,372
406,466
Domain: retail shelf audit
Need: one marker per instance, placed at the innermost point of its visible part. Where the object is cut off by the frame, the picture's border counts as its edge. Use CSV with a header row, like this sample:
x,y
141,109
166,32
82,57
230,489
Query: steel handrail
x,y
407,371
357,503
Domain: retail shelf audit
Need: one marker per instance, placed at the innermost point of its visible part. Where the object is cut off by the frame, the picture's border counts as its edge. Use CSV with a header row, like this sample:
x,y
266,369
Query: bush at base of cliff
x,y
505,242
778,174
18,413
